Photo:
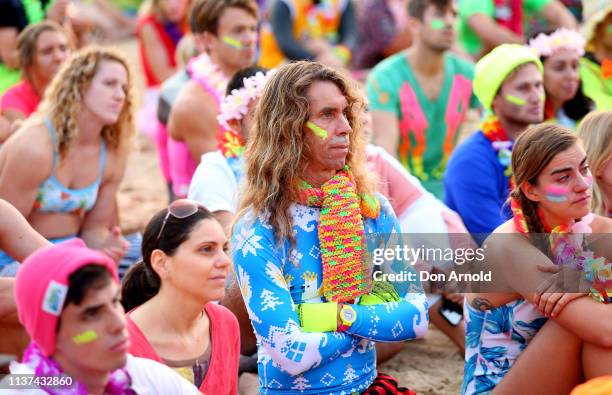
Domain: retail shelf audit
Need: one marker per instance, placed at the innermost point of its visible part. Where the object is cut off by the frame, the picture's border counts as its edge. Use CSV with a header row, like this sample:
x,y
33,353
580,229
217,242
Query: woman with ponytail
x,y
552,231
170,297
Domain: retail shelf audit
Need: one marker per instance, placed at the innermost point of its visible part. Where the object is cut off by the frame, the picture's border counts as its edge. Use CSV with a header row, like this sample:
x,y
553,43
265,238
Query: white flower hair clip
x,y
235,105
547,44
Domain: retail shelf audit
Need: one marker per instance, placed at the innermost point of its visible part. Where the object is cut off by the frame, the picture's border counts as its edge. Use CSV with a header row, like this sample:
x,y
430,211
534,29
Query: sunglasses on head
x,y
179,209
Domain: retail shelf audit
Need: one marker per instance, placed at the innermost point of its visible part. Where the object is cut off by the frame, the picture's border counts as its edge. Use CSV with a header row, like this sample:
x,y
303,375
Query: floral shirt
x,y
493,341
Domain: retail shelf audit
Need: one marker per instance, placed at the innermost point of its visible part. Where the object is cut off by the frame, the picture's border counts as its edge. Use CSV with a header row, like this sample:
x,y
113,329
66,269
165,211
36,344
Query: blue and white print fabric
x,y
494,339
275,277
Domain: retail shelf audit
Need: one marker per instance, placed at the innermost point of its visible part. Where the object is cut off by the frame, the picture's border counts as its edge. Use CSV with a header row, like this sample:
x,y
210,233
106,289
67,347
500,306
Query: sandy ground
x,y
431,366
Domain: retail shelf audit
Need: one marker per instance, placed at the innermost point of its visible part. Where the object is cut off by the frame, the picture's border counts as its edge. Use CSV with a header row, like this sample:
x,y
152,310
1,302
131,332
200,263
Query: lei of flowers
x,y
119,382
234,107
204,71
567,247
546,45
501,144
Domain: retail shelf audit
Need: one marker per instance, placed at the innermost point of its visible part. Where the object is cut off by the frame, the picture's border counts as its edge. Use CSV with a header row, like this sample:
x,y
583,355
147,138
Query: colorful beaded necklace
x,y
567,247
341,234
501,144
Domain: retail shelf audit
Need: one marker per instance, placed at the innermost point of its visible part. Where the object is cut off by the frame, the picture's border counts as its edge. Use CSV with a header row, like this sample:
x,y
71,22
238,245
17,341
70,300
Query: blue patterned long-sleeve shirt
x,y
274,278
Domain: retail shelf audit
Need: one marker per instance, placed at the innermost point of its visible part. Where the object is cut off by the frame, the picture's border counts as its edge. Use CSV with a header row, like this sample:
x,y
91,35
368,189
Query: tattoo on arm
x,y
481,304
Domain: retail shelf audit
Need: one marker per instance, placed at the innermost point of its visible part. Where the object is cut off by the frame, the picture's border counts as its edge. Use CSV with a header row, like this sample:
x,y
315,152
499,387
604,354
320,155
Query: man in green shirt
x,y
485,24
420,97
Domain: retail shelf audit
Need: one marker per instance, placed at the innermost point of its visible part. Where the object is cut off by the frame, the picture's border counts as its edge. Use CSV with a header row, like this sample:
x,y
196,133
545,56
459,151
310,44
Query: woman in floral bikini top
x,y
63,168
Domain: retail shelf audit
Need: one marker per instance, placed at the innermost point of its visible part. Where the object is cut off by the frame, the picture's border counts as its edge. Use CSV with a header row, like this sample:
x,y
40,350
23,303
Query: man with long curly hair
x,y
307,213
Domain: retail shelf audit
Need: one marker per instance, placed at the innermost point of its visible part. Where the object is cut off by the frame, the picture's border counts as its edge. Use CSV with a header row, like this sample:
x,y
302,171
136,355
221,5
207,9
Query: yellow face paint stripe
x,y
86,337
317,130
232,42
516,100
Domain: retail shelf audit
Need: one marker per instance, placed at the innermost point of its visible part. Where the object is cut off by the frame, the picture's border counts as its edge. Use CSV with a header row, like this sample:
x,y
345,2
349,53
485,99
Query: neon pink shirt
x,y
21,97
222,375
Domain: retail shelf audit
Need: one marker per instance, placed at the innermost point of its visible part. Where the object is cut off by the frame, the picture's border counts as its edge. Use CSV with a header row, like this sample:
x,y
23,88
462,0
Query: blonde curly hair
x,y
276,153
62,102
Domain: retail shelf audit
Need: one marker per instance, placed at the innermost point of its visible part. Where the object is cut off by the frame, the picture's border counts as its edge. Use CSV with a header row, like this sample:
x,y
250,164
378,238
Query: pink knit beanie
x,y
41,286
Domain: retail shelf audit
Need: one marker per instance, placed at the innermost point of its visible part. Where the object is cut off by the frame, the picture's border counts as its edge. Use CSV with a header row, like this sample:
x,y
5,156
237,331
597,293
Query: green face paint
x,y
516,100
317,130
437,24
609,28
232,42
85,337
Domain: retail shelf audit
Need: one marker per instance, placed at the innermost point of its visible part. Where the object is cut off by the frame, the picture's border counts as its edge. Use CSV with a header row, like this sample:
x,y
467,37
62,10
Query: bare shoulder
x,y
503,238
192,96
601,224
32,145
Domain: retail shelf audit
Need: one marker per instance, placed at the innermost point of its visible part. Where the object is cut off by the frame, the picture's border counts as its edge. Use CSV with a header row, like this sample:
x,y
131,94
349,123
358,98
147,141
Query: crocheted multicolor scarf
x,y
341,234
119,382
567,247
493,131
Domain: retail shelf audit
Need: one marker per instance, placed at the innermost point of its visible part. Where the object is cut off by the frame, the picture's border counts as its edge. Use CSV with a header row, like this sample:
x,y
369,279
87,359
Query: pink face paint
x,y
589,179
556,193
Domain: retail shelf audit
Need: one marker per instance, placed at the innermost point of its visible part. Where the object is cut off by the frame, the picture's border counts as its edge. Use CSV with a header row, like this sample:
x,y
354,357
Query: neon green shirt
x,y
594,85
467,8
428,128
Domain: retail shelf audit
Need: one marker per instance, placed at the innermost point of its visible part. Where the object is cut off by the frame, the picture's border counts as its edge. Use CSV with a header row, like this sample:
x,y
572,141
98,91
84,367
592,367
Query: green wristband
x,y
318,317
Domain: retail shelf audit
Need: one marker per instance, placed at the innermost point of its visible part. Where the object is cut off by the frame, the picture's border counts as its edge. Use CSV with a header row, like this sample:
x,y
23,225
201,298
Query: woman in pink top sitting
x,y
170,298
42,48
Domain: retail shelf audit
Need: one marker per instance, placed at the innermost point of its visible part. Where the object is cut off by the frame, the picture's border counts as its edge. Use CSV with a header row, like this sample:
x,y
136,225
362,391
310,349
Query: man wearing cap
x,y
68,301
508,82
596,65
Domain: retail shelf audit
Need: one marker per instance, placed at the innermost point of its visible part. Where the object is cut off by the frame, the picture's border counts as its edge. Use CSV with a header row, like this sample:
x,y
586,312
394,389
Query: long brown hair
x,y
596,133
533,150
276,153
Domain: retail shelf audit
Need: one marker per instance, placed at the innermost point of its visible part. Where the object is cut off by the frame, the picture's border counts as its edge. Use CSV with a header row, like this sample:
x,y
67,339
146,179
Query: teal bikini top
x,y
53,197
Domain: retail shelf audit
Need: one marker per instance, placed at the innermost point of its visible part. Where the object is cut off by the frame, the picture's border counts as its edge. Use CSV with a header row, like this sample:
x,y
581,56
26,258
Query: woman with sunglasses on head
x,y
596,134
170,298
522,334
62,169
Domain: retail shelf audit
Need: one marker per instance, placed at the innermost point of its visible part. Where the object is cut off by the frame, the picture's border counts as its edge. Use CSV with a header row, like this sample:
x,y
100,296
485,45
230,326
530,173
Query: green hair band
x,y
232,42
516,100
317,130
86,337
437,24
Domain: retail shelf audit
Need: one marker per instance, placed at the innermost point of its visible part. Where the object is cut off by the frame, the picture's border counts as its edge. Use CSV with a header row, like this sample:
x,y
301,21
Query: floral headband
x,y
547,44
236,104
